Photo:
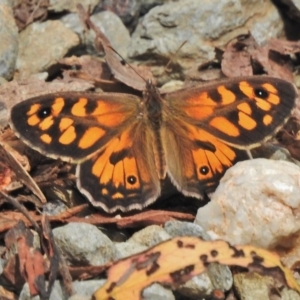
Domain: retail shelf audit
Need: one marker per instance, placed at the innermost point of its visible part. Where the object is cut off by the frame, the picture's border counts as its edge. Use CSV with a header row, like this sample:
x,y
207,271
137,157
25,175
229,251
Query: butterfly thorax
x,y
153,113
153,106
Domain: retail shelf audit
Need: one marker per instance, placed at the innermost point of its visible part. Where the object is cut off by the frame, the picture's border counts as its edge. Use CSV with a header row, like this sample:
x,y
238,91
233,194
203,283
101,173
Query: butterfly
x,y
126,145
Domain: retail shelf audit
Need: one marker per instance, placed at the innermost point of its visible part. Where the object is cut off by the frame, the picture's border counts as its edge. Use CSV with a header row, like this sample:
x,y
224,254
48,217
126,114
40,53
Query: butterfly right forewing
x,y
242,112
207,127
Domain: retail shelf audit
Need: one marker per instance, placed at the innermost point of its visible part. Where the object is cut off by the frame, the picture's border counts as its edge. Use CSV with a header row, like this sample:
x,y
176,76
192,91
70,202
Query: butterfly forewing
x,y
242,112
73,126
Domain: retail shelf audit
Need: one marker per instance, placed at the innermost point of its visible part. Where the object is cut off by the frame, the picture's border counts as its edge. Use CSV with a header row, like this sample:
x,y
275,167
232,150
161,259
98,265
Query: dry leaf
x,y
175,261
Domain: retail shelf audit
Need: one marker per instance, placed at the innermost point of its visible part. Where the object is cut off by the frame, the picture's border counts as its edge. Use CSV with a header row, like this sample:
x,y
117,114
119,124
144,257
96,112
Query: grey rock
x,y
252,286
128,11
54,208
146,5
288,294
9,3
71,5
79,297
215,277
85,289
2,265
203,27
220,276
157,292
84,243
128,248
177,228
150,236
56,294
109,23
196,287
42,44
9,41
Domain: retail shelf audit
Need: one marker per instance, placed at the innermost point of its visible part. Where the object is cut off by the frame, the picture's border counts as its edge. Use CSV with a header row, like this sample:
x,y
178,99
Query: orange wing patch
x,y
90,137
224,125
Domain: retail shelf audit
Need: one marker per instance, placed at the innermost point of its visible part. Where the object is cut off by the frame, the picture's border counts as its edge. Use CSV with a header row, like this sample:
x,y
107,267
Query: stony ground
x,y
50,46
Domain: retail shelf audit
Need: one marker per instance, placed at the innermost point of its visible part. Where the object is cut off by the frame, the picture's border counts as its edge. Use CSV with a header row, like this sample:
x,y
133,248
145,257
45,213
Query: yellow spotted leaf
x,y
175,261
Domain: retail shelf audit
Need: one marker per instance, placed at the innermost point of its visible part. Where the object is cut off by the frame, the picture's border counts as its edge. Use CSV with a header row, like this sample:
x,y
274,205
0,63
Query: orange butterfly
x,y
125,145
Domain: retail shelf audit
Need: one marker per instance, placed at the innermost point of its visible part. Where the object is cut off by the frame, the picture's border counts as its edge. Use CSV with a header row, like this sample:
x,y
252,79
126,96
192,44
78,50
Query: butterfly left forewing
x,y
73,126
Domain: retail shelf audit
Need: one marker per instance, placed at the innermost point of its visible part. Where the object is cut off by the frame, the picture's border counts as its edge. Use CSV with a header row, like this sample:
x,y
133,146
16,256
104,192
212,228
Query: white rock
x,y
257,202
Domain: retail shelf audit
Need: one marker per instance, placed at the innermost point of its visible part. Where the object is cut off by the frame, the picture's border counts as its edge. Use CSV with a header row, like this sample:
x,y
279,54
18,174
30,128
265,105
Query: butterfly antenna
x,y
173,56
124,62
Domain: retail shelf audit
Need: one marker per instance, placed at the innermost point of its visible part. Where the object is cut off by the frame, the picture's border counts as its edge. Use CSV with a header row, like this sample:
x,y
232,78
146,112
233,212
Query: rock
x,y
83,244
128,248
85,289
79,297
257,203
109,23
177,228
2,265
56,294
252,286
150,236
128,11
9,42
197,287
54,208
9,3
71,5
42,45
216,277
157,292
146,5
288,294
203,27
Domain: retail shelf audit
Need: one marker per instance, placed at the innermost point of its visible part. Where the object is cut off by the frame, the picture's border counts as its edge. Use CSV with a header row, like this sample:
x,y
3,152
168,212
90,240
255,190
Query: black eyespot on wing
x,y
131,179
261,93
44,112
204,170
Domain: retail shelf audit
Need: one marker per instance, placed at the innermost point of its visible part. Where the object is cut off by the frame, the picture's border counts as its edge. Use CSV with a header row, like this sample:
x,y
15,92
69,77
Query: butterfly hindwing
x,y
122,175
196,160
